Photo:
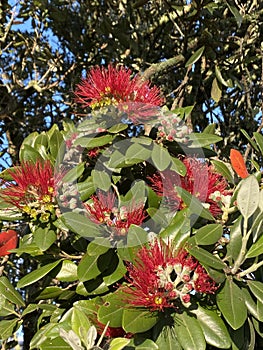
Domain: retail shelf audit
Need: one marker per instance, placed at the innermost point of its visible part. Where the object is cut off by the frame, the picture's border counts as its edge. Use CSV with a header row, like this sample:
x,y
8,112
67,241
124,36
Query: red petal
x,y
238,163
8,241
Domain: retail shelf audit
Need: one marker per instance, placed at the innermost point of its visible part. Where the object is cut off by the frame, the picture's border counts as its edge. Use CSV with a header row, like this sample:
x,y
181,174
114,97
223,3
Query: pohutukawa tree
x,y
125,231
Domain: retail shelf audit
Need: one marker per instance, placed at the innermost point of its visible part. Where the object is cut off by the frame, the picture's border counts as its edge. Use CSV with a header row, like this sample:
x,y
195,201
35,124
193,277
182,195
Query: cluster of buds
x,y
171,128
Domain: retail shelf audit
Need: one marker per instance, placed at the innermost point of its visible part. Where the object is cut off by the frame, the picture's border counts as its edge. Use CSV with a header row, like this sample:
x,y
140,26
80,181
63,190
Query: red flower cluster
x,y
114,86
104,209
161,278
200,180
32,188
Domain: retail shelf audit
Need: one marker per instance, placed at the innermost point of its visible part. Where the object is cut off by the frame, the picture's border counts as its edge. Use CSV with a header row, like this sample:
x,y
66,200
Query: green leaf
x,y
259,139
178,166
256,249
206,258
44,237
235,243
92,142
28,153
55,142
73,174
36,275
118,343
216,92
202,140
7,328
223,169
137,320
214,328
88,268
101,179
208,234
80,224
139,343
189,332
166,337
112,309
231,303
195,57
79,321
115,129
86,188
137,153
253,143
194,204
49,293
160,157
250,304
248,196
256,287
8,291
136,236
55,344
236,14
68,272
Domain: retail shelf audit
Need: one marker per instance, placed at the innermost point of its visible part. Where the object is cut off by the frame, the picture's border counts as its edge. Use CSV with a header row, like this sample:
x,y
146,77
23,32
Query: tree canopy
x,y
202,53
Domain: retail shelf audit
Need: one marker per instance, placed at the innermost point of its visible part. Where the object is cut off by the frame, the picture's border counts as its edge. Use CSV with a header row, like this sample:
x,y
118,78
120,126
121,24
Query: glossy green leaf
x,y
253,143
214,328
136,236
160,157
195,56
178,166
224,170
8,291
194,204
101,179
138,320
206,258
235,243
202,140
80,224
36,275
112,309
137,153
248,196
86,188
49,293
256,249
79,321
73,174
28,153
231,303
55,142
259,140
119,343
189,332
68,272
256,287
55,344
166,337
6,308
139,343
236,14
117,128
91,142
44,237
88,268
250,303
7,328
208,234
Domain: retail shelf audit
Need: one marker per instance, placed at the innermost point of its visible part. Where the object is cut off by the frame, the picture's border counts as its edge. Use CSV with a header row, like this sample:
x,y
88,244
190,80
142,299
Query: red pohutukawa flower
x,y
115,86
200,180
103,209
32,189
162,278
